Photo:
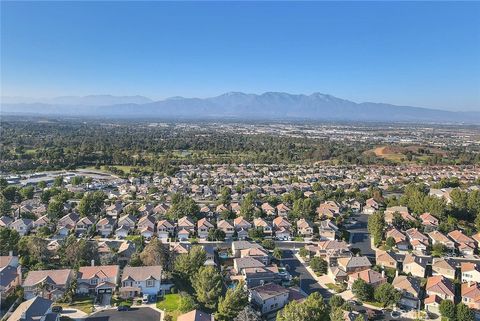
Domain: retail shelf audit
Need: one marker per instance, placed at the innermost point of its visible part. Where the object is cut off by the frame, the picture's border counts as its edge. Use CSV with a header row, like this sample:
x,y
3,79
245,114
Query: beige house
x,y
470,272
441,266
441,287
410,288
414,265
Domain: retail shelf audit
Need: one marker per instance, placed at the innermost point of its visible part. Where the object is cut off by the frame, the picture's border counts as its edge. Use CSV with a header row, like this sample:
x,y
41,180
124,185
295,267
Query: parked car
x,y
57,309
123,308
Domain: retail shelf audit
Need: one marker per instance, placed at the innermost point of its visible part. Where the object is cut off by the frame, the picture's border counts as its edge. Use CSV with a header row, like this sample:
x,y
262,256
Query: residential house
x,y
49,284
328,209
67,223
371,206
128,221
22,225
354,264
186,223
42,221
410,288
445,267
440,286
258,253
282,228
141,280
418,241
195,315
105,226
414,265
5,221
268,209
10,275
238,246
282,210
83,225
227,228
165,229
239,264
146,226
429,222
471,296
241,227
470,272
114,210
370,276
35,308
264,225
327,230
386,259
203,227
304,228
97,279
466,245
402,210
438,237
432,304
400,238
269,297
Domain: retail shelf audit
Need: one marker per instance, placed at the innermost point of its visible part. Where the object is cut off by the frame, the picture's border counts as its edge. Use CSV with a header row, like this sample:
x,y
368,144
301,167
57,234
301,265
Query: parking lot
x,y
144,314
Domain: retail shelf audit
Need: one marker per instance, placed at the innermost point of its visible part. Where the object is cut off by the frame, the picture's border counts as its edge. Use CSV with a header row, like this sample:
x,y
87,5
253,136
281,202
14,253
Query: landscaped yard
x,y
335,287
82,303
170,304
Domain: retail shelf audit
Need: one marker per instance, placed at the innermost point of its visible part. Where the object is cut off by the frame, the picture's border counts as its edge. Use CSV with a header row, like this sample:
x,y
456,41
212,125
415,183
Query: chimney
x,y
93,262
396,272
10,253
383,273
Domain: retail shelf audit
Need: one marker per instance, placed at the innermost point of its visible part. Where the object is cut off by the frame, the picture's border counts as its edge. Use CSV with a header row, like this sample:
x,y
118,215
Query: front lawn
x,y
169,303
82,303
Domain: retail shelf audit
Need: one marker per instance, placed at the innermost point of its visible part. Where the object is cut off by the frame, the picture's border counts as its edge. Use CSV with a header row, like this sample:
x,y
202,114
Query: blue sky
x,y
422,54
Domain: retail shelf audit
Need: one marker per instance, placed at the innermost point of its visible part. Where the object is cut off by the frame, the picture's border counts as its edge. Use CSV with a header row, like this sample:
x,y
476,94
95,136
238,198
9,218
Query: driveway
x,y
144,314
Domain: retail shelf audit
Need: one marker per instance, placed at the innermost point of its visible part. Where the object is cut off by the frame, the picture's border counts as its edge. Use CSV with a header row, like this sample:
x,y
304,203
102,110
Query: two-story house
x,y
97,279
203,227
49,284
140,280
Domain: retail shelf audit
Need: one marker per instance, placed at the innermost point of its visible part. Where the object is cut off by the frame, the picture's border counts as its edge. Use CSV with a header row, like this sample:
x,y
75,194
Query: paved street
x,y
307,282
359,237
144,314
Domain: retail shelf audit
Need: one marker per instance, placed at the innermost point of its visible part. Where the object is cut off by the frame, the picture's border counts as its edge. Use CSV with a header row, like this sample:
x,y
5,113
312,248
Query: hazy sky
x,y
422,54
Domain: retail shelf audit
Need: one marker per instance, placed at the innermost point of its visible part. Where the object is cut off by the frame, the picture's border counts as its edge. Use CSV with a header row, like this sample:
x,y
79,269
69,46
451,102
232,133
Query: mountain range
x,y
234,105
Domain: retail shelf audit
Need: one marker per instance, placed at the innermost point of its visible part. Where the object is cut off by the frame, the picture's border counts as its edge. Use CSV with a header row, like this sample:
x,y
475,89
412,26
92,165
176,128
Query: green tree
x,y
27,192
91,203
215,234
362,290
390,243
187,303
277,253
268,244
55,209
187,265
336,314
207,283
156,253
387,295
447,310
336,301
58,182
376,226
464,313
8,240
12,194
303,252
232,303
182,206
5,206
319,265
312,308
